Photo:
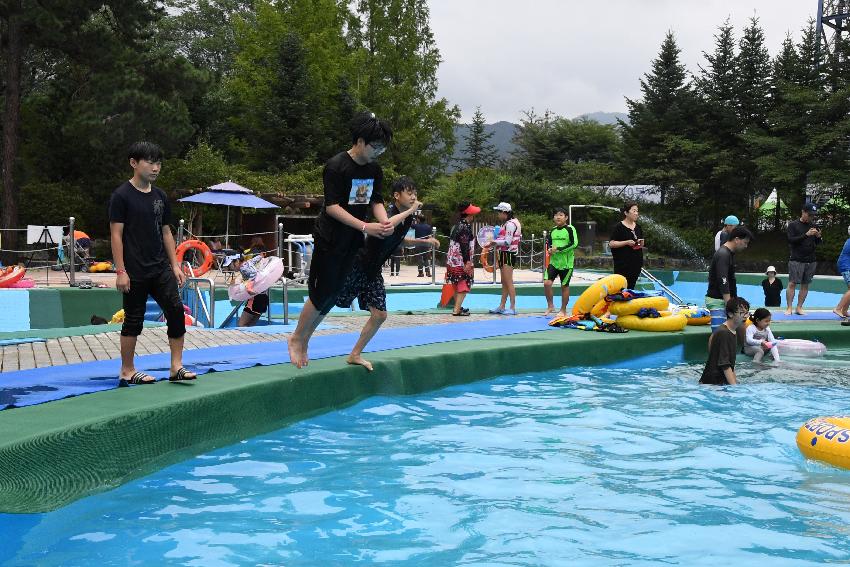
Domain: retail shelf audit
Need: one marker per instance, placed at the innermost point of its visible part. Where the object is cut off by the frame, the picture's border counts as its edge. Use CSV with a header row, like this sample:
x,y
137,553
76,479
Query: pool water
x,y
690,292
634,464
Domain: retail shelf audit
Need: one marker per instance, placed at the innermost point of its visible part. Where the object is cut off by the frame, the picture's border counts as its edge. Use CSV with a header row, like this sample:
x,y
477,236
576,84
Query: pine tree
x,y
658,144
754,77
396,68
479,152
717,87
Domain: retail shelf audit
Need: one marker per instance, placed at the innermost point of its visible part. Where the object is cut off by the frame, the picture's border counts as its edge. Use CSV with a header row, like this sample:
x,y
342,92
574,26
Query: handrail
x,y
664,288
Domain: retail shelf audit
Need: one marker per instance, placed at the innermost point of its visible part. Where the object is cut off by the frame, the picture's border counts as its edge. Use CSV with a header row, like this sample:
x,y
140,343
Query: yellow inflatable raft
x,y
593,299
696,315
620,308
826,439
674,322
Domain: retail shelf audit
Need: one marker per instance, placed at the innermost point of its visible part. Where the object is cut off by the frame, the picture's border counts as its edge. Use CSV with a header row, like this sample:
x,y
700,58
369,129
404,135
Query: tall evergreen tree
x,y
658,145
717,89
397,79
478,152
754,77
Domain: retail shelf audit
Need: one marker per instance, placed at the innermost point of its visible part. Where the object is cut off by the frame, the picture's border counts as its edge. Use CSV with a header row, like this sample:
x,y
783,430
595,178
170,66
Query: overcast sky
x,y
580,56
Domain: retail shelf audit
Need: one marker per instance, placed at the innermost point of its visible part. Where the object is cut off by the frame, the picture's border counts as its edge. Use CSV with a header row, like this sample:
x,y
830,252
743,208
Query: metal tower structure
x,y
835,16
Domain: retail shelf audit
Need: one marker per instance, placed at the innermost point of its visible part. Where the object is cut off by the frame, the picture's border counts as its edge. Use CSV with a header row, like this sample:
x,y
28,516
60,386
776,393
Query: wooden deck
x,y
105,346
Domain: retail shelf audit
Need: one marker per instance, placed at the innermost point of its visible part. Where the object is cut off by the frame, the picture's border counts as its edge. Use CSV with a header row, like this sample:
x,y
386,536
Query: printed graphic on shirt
x,y
361,191
158,208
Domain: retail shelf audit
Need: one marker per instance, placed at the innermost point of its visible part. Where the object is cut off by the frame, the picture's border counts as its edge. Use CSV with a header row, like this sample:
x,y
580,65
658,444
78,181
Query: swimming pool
x,y
629,464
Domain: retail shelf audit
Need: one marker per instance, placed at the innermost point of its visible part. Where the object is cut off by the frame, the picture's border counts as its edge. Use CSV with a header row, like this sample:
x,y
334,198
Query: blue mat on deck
x,y
809,316
39,385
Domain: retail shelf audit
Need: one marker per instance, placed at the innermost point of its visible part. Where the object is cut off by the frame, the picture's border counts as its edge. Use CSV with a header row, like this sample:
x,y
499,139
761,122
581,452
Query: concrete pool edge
x,y
55,453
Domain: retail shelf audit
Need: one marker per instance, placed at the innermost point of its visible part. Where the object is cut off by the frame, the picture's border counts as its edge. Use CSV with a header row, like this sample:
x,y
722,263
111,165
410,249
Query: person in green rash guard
x,y
562,242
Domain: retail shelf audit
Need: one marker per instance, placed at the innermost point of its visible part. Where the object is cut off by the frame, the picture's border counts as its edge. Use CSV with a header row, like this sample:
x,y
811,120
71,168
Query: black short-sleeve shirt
x,y
721,355
626,259
353,187
143,216
377,250
721,274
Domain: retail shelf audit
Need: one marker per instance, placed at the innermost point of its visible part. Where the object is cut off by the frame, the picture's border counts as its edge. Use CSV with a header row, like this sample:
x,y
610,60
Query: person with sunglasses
x,y
353,188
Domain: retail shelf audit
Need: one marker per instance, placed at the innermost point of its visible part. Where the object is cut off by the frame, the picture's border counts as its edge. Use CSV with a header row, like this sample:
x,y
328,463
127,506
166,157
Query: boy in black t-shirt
x,y
143,251
365,281
353,185
723,345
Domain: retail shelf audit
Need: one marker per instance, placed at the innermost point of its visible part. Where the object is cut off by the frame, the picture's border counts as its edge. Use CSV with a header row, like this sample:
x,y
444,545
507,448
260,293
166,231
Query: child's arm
x,y
729,373
770,336
572,243
397,219
507,235
750,339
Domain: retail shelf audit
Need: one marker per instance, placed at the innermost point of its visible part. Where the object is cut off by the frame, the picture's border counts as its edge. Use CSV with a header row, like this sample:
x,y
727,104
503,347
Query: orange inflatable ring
x,y
11,275
485,260
200,247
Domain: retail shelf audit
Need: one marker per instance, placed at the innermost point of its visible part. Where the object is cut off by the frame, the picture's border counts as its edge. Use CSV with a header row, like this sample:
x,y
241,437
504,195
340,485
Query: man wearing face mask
x,y
353,184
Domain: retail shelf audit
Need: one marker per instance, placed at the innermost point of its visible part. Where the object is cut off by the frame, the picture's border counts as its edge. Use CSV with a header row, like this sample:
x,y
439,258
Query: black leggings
x,y
163,289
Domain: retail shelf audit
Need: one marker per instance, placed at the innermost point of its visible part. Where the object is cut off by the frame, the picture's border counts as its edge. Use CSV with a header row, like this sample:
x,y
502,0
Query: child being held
x,y
760,338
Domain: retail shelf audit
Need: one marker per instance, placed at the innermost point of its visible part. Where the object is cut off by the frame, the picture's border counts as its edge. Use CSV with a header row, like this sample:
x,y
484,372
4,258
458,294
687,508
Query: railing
x,y
664,288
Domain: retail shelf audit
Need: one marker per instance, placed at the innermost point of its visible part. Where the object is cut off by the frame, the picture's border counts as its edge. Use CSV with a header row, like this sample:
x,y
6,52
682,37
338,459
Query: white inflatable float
x,y
268,272
800,347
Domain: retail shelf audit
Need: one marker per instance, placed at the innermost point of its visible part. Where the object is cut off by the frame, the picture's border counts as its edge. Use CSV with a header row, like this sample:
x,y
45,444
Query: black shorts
x,y
566,275
369,291
506,258
328,269
258,304
163,288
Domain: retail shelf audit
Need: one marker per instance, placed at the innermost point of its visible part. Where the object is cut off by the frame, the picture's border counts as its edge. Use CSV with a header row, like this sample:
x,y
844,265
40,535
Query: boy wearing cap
x,y
257,304
729,224
353,184
803,238
772,287
507,244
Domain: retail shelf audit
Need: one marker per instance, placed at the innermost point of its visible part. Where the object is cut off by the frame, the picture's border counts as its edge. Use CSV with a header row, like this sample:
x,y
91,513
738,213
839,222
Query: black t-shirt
x,y
377,250
802,246
626,259
772,292
721,274
143,216
422,230
355,188
721,355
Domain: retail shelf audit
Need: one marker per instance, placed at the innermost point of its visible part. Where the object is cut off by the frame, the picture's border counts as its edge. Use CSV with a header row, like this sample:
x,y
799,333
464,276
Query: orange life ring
x,y
11,275
200,247
485,260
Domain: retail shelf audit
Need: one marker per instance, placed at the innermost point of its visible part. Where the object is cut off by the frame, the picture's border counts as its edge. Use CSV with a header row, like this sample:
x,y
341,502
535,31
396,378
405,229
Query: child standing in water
x,y
760,338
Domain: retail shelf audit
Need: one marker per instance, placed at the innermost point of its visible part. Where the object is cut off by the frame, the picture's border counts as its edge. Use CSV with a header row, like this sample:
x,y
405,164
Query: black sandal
x,y
136,378
181,376
461,314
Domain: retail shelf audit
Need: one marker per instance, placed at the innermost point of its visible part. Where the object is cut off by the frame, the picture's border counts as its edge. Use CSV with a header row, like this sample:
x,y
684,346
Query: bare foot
x,y
788,311
799,312
562,313
839,315
549,310
297,356
357,359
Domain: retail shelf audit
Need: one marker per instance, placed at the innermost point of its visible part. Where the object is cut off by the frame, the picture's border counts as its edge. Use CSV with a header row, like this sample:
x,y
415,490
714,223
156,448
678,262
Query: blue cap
x,y
731,220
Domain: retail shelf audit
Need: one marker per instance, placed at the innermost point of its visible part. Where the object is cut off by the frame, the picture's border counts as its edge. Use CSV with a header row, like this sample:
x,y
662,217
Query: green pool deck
x,y
54,453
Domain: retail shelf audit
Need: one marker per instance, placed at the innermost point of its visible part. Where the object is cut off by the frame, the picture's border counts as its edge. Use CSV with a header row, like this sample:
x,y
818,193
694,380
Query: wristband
x,y
120,271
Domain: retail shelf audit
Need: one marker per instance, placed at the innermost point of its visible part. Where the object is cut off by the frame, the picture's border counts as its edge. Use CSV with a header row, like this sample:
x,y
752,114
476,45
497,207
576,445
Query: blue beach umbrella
x,y
229,194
